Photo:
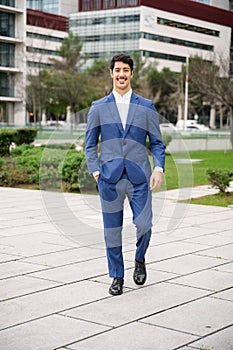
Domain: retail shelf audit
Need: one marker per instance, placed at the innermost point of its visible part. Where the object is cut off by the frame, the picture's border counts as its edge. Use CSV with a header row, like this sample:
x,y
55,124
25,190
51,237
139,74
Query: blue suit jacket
x,y
123,148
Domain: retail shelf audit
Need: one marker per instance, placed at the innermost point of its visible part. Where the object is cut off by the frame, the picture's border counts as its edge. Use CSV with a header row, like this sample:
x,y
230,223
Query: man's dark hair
x,y
122,57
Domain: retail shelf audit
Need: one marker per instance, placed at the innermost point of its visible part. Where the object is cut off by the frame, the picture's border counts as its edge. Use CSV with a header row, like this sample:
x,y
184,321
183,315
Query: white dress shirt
x,y
122,103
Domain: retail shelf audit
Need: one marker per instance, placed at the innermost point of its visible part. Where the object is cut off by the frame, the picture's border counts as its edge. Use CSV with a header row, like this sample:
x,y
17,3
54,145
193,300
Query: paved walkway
x,y
54,281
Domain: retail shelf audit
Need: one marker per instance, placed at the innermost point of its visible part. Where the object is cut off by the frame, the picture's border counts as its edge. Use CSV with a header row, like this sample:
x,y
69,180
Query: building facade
x,y
166,31
29,39
57,7
45,33
224,4
12,61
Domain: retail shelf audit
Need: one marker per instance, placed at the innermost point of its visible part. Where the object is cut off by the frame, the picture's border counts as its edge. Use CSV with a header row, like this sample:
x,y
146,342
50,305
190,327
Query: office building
x,y
165,31
12,61
28,41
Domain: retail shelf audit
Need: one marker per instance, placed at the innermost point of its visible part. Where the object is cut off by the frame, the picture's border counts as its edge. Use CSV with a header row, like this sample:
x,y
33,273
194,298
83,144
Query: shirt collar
x,y
125,98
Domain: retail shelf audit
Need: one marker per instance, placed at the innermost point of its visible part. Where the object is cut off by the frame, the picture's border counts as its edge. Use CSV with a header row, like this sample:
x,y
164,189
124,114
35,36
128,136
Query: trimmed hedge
x,y
17,136
25,136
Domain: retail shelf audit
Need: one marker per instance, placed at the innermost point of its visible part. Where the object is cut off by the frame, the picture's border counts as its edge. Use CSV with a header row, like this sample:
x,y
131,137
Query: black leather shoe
x,y
139,275
116,287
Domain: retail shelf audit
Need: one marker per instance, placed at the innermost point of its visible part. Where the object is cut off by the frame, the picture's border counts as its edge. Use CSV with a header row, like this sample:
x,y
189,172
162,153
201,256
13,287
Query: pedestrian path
x,y
54,281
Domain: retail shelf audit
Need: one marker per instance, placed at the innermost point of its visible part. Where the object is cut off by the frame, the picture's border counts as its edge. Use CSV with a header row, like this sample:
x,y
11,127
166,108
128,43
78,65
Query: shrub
x,y
17,151
50,168
11,174
6,138
220,178
86,181
18,136
166,140
24,135
70,169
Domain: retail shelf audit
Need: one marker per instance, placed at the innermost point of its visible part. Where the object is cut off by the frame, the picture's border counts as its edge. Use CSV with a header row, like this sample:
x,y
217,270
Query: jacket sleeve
x,y
155,138
92,138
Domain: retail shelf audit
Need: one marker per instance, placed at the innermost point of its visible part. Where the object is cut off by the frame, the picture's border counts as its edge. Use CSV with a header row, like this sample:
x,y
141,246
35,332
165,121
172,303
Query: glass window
x,y
7,24
88,5
38,64
6,84
186,26
35,4
175,41
10,3
7,55
44,37
42,51
108,4
207,2
126,3
111,37
105,20
164,56
231,5
51,6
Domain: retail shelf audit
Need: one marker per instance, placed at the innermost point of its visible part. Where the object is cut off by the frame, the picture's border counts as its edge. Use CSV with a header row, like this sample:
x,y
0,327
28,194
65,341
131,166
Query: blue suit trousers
x,y
112,197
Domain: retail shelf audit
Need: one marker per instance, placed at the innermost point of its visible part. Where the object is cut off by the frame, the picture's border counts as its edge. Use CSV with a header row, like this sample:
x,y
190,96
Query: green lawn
x,y
194,174
216,199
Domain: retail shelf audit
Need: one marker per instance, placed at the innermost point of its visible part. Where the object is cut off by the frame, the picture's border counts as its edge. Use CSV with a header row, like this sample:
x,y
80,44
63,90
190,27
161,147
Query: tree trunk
x,y
212,117
231,125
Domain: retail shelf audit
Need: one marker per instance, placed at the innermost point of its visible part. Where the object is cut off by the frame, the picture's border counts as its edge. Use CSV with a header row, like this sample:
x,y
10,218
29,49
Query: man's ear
x,y
132,74
111,73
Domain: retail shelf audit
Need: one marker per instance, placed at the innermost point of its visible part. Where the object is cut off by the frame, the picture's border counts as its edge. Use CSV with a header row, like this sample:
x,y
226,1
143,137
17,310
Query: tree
x,y
69,53
71,83
214,84
99,77
163,86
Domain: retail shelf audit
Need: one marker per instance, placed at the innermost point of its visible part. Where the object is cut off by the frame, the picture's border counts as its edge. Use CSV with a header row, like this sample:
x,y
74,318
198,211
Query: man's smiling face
x,y
121,75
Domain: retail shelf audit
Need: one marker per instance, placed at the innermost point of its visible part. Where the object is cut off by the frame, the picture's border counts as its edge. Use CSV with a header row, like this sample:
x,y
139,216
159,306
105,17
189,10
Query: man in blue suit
x,y
122,122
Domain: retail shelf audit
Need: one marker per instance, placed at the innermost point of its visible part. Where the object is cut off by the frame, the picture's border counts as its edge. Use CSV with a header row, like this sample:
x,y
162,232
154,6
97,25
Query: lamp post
x,y
186,93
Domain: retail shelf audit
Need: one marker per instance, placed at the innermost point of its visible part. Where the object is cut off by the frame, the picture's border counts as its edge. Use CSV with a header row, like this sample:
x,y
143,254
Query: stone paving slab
x,y
201,317
22,285
212,239
226,294
67,256
225,267
161,297
186,264
222,252
217,341
48,333
44,303
135,336
208,279
54,282
74,272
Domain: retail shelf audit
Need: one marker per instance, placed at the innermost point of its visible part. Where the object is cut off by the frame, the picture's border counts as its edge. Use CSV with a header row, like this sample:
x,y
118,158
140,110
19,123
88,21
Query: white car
x,y
191,125
167,127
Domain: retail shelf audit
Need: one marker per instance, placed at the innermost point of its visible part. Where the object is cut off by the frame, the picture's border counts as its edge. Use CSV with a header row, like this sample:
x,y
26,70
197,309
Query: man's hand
x,y
156,180
96,177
